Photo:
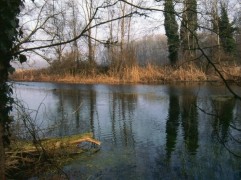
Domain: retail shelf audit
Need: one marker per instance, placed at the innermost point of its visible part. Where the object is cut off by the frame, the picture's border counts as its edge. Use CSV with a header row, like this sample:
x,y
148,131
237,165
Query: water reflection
x,y
76,111
182,109
172,122
92,104
223,115
122,107
147,132
189,118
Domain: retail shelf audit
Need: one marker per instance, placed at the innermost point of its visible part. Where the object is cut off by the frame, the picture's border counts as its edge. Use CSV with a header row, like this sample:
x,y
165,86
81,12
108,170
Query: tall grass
x,y
134,74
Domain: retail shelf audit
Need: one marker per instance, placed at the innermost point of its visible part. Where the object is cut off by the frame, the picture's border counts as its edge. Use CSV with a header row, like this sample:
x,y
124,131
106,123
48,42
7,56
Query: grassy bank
x,y
136,74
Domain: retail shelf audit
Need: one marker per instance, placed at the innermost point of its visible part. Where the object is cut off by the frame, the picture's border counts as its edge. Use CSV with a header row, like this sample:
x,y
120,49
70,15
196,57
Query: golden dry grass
x,y
135,74
230,72
187,73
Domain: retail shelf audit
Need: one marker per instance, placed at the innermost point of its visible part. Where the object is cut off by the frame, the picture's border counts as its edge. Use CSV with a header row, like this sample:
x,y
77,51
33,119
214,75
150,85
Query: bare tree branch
x,y
86,28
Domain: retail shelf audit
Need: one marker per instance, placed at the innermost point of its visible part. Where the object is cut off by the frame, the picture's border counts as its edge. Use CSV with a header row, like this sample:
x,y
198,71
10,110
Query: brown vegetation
x,y
25,156
124,67
134,74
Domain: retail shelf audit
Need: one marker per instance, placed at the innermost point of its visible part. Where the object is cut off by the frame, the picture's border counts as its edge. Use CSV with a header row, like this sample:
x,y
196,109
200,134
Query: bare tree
x,y
89,9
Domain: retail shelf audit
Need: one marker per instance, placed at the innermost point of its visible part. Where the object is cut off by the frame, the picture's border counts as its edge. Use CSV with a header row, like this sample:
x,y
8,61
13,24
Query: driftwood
x,y
53,143
86,139
23,152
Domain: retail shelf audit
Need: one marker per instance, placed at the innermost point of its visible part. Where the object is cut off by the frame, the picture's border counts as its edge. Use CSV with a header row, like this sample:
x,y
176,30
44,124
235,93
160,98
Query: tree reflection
x,y
190,122
223,111
172,123
122,109
61,112
226,123
75,111
182,108
92,110
77,102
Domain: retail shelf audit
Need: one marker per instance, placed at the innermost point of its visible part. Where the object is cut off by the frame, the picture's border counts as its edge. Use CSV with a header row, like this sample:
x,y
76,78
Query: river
x,y
147,131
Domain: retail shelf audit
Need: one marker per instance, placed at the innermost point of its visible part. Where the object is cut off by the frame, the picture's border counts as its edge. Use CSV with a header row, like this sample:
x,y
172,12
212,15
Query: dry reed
x,y
134,74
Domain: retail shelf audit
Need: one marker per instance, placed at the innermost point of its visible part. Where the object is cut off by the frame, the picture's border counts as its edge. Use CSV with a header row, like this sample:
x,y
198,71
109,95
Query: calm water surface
x,y
147,131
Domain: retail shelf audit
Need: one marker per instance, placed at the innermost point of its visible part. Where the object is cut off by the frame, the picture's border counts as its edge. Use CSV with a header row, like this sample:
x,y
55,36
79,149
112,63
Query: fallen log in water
x,y
22,153
86,139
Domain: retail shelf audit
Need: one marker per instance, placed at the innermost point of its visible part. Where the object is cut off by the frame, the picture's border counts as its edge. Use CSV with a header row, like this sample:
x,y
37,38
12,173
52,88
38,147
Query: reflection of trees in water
x,y
61,120
183,116
92,104
225,119
74,109
223,116
121,112
224,122
172,124
190,122
77,105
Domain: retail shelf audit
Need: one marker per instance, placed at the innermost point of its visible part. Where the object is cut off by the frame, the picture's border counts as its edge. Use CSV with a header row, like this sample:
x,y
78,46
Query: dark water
x,y
147,131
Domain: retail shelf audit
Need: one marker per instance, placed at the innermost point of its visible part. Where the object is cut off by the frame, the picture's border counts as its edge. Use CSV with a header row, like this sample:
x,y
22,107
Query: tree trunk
x,y
3,114
122,24
2,154
215,18
90,46
89,8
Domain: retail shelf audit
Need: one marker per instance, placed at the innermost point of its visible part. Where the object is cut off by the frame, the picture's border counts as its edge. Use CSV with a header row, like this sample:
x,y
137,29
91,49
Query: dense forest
x,y
134,41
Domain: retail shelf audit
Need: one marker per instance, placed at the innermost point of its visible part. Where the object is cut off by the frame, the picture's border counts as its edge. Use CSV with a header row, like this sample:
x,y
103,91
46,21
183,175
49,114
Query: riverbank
x,y
136,74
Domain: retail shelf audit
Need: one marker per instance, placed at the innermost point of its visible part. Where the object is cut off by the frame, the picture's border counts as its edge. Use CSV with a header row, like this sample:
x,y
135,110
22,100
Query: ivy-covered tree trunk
x,y
188,28
5,107
2,155
171,28
9,9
